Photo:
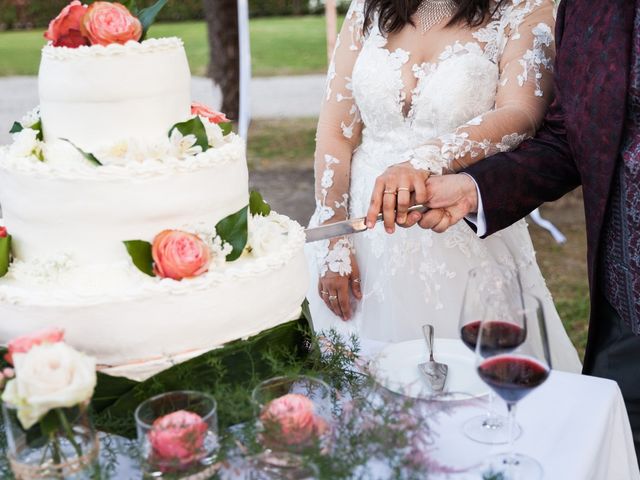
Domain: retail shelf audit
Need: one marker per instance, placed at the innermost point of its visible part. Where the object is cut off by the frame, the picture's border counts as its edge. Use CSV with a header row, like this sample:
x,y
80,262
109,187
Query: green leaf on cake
x,y
38,128
193,127
148,15
257,205
234,231
140,253
16,127
5,254
226,127
90,157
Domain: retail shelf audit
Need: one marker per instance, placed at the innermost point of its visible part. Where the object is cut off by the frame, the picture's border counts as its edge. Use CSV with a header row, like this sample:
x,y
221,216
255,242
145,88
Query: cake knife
x,y
347,227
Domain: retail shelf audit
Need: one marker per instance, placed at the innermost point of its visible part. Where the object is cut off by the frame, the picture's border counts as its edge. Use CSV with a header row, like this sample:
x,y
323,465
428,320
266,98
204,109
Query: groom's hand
x,y
451,198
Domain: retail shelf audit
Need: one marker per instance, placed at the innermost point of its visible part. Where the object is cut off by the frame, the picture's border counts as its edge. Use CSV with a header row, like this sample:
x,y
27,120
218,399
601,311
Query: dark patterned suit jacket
x,y
579,142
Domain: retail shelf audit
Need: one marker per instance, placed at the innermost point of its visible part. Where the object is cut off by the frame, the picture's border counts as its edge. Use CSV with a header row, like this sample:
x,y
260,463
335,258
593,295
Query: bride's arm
x,y
337,136
523,95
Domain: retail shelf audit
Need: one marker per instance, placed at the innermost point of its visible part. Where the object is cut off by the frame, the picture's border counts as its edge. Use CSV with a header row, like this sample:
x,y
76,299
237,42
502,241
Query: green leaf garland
x,y
140,253
5,254
148,15
257,205
196,128
234,231
90,157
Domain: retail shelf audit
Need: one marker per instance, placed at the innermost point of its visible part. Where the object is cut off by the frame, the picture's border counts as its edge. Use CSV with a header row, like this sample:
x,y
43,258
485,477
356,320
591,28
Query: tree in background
x,y
224,53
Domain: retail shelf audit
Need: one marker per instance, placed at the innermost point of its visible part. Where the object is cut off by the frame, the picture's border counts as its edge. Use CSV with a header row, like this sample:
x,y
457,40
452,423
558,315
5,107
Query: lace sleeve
x,y
338,134
523,95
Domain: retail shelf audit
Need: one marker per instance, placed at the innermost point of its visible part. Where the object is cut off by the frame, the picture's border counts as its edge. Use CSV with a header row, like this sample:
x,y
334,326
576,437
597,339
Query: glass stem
x,y
492,420
511,408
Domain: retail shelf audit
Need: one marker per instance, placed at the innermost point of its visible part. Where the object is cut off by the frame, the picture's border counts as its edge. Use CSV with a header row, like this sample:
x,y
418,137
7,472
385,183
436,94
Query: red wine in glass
x,y
512,376
499,336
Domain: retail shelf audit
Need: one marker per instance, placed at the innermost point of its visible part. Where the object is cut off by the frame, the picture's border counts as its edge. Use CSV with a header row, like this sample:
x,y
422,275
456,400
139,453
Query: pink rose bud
x,y
8,372
106,23
3,232
27,342
291,420
179,255
208,113
178,438
64,30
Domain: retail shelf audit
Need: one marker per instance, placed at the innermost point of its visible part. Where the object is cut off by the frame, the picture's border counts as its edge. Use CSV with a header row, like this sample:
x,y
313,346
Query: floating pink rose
x,y
291,420
64,30
204,111
3,232
179,255
27,342
106,23
177,439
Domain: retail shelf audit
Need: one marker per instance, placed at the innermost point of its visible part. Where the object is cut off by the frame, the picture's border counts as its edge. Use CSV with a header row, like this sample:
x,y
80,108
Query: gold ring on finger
x,y
390,192
324,293
333,297
404,189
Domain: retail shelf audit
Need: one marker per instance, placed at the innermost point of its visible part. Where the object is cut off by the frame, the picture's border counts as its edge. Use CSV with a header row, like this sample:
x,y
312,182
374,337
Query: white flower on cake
x,y
31,118
183,146
49,376
267,234
214,133
25,144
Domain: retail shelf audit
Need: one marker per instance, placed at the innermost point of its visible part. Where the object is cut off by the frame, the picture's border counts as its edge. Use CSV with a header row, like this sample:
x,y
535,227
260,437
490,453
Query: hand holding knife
x,y
348,227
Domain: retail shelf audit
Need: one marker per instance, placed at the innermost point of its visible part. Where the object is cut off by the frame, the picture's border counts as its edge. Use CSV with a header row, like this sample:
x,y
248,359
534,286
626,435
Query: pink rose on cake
x,y
27,342
177,439
204,111
64,30
179,255
291,420
105,23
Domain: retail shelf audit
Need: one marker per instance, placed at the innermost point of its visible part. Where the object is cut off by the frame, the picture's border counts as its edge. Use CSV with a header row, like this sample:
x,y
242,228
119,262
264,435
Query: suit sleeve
x,y
513,184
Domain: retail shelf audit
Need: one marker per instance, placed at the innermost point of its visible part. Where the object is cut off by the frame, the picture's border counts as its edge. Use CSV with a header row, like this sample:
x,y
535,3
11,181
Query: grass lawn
x,y
280,46
284,148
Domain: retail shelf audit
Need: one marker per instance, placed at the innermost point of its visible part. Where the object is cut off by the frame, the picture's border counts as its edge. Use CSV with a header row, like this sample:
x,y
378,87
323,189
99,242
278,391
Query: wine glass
x,y
492,293
513,373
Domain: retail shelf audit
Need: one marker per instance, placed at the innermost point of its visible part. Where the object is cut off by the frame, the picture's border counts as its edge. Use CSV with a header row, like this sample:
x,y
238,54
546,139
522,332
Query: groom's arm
x,y
511,185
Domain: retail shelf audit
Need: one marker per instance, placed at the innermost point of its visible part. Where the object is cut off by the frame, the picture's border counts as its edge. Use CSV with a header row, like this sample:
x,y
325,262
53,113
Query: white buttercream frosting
x,y
151,45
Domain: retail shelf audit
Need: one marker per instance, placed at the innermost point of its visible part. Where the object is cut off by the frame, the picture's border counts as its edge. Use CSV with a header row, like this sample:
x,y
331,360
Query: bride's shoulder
x,y
522,8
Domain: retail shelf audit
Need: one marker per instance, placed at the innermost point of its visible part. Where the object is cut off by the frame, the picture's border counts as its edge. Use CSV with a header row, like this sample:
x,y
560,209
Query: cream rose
x,y
266,234
49,376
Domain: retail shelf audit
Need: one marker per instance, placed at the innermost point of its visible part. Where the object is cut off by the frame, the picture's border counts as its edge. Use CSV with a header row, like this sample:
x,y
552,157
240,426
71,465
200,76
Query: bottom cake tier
x,y
137,326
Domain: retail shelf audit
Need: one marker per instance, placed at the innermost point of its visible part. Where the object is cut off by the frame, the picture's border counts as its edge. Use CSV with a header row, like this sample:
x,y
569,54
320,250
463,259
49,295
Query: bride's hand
x,y
398,188
336,290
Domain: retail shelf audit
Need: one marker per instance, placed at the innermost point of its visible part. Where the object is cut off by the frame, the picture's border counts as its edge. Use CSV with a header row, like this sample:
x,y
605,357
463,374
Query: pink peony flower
x,y
64,30
178,438
3,232
290,420
106,23
179,255
203,111
27,342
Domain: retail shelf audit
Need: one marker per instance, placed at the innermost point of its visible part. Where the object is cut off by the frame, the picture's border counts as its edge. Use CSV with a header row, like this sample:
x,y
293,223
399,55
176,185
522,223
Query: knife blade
x,y
347,227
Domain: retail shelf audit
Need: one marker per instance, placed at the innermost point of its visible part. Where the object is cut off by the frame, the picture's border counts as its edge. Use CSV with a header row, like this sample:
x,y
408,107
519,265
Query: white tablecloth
x,y
576,426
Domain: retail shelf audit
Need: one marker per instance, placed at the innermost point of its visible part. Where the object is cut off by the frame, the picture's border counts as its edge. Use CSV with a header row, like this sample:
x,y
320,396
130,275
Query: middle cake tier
x,y
86,212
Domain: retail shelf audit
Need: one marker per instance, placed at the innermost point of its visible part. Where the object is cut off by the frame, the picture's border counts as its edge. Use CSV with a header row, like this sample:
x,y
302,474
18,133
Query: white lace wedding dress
x,y
442,99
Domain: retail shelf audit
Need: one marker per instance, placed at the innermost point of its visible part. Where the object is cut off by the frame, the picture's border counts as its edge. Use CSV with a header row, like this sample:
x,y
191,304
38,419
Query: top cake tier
x,y
94,96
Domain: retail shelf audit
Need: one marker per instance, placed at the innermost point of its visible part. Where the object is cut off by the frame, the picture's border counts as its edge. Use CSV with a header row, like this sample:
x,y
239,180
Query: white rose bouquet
x,y
49,388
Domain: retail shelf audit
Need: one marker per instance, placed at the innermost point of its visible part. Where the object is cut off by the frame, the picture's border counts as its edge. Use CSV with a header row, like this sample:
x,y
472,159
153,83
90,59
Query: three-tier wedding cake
x,y
126,219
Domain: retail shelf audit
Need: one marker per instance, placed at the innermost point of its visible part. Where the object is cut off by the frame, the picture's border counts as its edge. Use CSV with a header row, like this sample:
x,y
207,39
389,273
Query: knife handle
x,y
416,208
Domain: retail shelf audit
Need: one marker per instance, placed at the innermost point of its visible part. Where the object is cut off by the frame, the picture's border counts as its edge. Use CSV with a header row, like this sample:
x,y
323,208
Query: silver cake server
x,y
434,372
347,227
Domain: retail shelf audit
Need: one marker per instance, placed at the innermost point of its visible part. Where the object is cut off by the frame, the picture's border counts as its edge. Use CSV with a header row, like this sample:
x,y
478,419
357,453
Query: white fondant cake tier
x,y
139,325
100,94
86,212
